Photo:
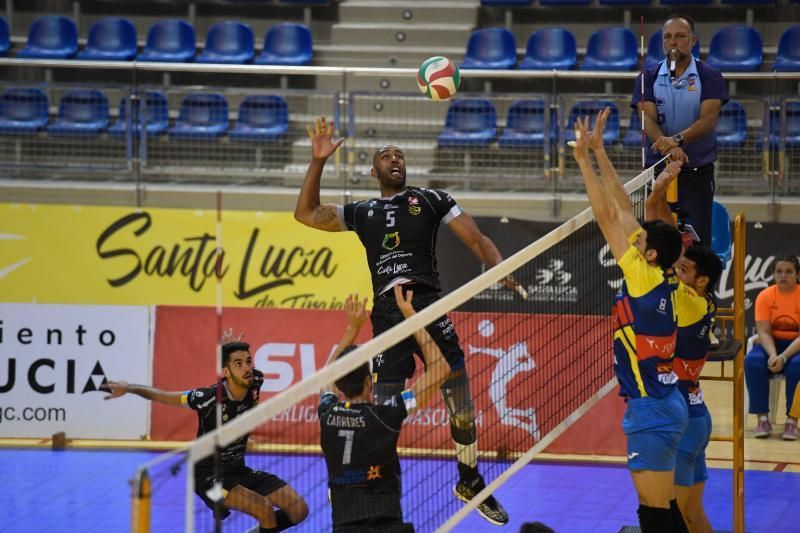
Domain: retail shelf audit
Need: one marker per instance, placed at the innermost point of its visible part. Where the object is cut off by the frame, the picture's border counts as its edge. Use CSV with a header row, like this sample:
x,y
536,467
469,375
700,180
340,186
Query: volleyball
x,y
438,78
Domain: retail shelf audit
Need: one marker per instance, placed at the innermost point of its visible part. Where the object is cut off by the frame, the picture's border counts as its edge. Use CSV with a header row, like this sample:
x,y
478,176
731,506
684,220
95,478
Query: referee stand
x,y
730,356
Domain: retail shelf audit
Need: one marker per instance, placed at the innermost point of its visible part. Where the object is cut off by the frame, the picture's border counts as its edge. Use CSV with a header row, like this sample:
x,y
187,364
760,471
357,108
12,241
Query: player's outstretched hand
x,y
666,177
581,143
322,143
404,301
511,282
229,336
116,388
356,310
596,136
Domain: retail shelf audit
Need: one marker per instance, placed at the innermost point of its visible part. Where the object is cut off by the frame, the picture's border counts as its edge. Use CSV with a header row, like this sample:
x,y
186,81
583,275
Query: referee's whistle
x,y
673,67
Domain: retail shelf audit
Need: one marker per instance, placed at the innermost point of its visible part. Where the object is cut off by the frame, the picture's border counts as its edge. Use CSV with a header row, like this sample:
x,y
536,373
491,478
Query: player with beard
x,y
398,231
253,492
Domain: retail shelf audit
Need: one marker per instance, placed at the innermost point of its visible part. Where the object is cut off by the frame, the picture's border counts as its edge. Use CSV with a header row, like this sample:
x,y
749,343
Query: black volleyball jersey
x,y
399,234
359,441
204,401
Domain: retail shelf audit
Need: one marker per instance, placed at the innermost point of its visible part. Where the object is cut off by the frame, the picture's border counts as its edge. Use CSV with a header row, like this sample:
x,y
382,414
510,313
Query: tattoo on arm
x,y
324,216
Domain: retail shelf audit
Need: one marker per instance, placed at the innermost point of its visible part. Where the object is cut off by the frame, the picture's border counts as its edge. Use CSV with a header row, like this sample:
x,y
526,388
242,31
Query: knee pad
x,y
383,391
460,407
655,519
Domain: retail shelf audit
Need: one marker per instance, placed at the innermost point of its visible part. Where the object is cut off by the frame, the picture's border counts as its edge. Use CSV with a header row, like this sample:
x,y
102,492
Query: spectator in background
x,y
778,327
681,100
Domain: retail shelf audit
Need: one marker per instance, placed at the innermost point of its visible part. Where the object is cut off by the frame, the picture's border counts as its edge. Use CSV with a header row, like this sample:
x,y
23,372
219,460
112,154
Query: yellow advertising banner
x,y
131,256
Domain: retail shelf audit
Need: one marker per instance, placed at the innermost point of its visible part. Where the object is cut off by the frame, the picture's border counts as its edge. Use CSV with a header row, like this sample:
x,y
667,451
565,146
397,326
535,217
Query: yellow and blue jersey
x,y
645,324
695,316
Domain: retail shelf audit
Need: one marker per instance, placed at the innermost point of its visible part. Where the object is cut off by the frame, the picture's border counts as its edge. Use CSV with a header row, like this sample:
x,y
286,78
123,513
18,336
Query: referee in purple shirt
x,y
682,98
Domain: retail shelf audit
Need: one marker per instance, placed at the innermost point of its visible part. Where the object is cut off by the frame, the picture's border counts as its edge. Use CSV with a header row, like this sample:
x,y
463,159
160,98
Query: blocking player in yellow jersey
x,y
698,269
645,331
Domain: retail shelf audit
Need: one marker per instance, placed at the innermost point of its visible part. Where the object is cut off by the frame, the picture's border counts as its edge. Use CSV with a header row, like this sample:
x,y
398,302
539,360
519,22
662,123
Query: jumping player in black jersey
x,y
359,438
250,491
398,231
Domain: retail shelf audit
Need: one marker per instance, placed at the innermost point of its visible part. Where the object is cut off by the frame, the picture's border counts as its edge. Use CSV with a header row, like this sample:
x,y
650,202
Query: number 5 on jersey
x,y
390,219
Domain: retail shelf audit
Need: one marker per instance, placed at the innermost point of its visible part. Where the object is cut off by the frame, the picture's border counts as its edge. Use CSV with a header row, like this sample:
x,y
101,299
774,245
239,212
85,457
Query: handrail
x,y
355,71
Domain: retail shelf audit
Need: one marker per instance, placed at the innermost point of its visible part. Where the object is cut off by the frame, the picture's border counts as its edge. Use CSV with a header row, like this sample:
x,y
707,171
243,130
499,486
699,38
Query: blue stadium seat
x,y
550,48
655,50
731,126
491,48
788,56
23,111
591,109
685,2
51,37
469,123
771,128
525,125
287,44
611,49
156,115
202,116
82,112
561,3
633,136
5,42
228,42
111,39
506,3
169,41
261,118
721,241
748,2
735,49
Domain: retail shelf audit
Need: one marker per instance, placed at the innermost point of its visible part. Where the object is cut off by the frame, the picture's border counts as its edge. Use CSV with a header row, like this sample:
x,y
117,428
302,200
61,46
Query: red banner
x,y
527,372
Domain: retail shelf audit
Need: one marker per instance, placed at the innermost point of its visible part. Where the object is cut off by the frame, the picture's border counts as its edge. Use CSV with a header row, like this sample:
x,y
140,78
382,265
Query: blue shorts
x,y
691,466
654,426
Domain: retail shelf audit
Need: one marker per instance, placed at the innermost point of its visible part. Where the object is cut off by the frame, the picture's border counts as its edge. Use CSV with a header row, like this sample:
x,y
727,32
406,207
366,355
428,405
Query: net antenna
x,y
217,490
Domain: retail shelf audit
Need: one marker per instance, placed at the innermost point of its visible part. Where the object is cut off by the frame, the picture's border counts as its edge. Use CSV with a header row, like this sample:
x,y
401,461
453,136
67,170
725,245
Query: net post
x,y
140,502
738,372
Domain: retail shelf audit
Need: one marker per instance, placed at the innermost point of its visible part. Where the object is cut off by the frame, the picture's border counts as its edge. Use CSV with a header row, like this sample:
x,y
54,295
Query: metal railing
x,y
523,147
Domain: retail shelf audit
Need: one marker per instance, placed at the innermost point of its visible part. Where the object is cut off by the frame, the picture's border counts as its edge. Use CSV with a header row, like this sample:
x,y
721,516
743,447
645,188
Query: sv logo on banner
x,y
53,360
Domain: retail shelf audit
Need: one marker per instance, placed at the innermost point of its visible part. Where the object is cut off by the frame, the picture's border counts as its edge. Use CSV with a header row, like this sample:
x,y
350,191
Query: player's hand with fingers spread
x,y
116,388
581,143
596,136
404,301
356,310
228,336
322,143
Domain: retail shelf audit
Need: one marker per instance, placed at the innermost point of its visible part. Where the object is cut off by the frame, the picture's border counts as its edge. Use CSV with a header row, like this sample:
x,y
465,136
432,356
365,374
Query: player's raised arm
x,y
616,224
120,388
656,206
437,370
607,170
308,210
356,310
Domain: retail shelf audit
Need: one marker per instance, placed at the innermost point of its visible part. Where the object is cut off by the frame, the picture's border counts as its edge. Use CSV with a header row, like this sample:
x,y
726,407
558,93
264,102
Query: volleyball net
x,y
536,364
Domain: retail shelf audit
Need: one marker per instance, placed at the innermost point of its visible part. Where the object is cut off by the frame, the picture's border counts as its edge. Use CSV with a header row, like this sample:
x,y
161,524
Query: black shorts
x,y
389,525
397,363
262,483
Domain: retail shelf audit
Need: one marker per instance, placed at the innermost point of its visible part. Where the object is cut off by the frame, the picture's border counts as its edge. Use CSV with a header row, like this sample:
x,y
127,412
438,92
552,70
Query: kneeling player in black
x,y
398,231
359,438
250,491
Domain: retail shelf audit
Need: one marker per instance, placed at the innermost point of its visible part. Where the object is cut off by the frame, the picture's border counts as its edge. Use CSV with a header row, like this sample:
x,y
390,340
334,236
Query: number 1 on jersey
x,y
348,435
390,219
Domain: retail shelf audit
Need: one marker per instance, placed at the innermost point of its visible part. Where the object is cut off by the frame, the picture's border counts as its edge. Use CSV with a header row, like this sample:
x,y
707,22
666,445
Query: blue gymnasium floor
x,y
87,491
